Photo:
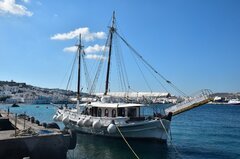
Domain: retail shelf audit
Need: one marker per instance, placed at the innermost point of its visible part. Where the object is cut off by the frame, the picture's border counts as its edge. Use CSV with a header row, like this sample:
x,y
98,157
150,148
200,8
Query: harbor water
x,y
208,132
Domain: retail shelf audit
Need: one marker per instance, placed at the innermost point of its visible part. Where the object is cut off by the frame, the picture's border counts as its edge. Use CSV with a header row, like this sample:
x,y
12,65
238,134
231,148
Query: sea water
x,y
207,132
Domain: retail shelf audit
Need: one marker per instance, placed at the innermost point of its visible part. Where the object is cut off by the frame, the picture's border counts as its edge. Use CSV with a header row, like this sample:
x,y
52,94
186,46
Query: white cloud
x,y
70,49
94,57
90,49
95,48
26,1
10,6
85,33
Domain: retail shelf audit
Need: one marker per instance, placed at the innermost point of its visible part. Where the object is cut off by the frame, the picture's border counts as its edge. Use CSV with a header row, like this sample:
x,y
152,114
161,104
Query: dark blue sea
x,y
207,132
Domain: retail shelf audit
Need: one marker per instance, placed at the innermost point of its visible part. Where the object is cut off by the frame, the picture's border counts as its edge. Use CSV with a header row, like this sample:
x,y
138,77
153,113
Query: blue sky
x,y
193,43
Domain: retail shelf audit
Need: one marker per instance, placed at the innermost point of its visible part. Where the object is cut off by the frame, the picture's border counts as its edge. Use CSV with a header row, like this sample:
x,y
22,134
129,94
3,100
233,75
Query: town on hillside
x,y
13,92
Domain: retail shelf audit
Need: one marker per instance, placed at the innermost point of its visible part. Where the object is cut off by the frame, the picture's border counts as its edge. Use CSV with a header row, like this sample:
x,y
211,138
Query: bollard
x,y
44,125
37,122
32,119
8,112
15,124
24,118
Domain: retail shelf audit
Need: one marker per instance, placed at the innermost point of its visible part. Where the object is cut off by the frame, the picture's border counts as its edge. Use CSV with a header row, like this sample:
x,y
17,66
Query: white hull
x,y
234,102
154,129
150,130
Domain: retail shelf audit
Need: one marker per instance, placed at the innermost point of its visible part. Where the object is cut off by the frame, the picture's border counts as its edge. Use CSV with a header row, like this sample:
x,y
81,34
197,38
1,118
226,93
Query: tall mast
x,y
79,66
111,31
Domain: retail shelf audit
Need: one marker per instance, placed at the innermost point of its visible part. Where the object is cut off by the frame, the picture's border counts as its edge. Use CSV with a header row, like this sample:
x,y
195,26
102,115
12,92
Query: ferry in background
x,y
219,99
235,101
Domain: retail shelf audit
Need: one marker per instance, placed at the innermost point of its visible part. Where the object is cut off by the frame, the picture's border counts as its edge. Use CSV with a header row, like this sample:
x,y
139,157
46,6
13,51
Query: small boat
x,y
235,101
15,105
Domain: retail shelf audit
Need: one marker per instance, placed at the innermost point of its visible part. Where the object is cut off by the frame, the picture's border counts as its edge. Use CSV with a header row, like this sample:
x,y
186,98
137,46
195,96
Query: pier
x,y
24,137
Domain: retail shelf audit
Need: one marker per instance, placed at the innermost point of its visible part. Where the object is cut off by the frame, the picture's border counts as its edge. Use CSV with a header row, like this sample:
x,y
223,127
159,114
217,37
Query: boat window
x,y
106,112
99,112
90,111
132,112
121,111
114,113
85,111
94,111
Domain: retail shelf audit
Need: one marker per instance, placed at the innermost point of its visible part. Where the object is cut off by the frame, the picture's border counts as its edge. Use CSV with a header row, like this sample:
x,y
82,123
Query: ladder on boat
x,y
189,103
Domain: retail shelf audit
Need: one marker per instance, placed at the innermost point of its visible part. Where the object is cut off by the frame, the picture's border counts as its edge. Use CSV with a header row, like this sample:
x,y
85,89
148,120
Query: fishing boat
x,y
113,116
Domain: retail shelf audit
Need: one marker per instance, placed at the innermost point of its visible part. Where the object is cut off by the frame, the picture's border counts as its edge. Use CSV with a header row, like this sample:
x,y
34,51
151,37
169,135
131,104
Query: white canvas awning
x,y
136,94
114,105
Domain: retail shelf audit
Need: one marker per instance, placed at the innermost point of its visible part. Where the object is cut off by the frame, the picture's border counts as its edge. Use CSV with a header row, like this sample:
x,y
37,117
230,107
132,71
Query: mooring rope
x,y
169,138
127,143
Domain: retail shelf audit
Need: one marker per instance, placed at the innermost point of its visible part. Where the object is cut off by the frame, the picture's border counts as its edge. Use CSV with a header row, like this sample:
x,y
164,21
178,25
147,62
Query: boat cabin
x,y
114,112
98,109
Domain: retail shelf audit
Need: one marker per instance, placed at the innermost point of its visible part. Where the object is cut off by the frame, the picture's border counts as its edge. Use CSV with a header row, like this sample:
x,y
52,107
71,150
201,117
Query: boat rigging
x,y
106,116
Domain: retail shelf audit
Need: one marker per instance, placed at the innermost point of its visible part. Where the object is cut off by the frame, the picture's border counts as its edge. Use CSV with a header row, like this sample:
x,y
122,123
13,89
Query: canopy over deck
x,y
113,105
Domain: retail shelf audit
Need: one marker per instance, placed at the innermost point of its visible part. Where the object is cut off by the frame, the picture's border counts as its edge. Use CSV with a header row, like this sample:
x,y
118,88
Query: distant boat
x,y
234,101
218,99
15,105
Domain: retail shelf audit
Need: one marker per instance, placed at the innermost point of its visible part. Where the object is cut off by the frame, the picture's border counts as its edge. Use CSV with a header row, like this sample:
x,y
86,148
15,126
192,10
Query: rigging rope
x,y
157,80
143,75
120,77
121,66
93,87
125,71
169,138
127,143
124,66
154,70
71,74
87,77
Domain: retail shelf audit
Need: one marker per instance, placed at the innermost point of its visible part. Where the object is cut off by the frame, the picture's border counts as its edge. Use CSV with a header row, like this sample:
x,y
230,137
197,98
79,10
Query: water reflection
x,y
92,147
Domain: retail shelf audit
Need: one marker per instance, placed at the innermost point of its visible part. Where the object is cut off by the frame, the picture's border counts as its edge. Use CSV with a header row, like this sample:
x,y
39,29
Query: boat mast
x,y
79,47
111,31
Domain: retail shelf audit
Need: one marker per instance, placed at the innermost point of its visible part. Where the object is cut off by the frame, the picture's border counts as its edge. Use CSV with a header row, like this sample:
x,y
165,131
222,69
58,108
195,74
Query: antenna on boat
x,y
111,31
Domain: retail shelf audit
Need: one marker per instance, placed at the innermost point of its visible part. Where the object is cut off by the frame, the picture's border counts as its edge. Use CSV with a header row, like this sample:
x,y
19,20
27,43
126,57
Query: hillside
x,y
12,92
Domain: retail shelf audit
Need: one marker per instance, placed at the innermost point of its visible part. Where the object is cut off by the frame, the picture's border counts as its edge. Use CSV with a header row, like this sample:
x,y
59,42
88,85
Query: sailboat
x,y
112,116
